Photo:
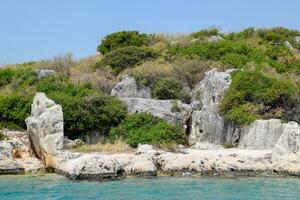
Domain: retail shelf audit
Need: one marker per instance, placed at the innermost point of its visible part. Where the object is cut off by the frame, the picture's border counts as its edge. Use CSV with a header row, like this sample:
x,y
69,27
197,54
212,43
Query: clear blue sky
x,y
38,29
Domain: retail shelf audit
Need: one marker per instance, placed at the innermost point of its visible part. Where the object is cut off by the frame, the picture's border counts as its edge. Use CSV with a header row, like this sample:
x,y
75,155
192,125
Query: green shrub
x,y
168,88
6,76
85,109
253,94
14,110
146,129
120,59
122,39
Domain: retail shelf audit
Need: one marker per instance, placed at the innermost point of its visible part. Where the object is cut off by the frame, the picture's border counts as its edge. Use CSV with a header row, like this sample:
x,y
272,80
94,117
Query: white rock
x,y
6,150
46,72
261,134
288,45
129,88
207,146
207,124
214,38
172,111
297,40
45,128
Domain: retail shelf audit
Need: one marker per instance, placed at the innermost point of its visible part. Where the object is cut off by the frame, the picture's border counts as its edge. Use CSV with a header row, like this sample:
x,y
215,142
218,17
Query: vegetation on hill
x,y
267,86
144,128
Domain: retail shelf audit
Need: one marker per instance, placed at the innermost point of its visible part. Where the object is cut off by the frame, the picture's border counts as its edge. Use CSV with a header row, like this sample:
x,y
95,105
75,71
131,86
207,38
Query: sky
x,y
40,29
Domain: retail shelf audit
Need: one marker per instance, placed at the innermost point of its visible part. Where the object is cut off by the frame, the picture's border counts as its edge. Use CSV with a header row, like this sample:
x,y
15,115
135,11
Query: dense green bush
x,y
126,57
14,110
85,109
253,95
168,88
6,76
122,39
146,129
83,114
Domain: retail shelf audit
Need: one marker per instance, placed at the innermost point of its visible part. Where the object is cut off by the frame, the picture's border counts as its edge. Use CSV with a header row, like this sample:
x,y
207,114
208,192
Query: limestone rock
x,y
68,144
6,150
297,40
289,141
288,45
45,72
172,111
261,134
207,146
214,38
10,167
95,166
45,128
207,124
129,88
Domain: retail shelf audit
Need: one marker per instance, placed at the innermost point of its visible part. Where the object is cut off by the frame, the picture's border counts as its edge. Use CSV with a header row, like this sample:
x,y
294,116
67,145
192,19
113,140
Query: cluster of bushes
x,y
122,39
146,129
126,57
85,109
253,95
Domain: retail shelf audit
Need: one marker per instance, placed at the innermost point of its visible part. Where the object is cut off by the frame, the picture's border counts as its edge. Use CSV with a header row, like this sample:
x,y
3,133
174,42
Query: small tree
x,y
122,39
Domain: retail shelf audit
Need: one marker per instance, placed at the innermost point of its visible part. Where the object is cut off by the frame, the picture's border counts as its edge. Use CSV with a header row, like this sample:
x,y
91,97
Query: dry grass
x,y
116,147
151,69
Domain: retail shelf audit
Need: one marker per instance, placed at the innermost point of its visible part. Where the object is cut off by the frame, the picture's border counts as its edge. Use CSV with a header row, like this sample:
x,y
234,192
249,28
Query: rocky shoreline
x,y
265,147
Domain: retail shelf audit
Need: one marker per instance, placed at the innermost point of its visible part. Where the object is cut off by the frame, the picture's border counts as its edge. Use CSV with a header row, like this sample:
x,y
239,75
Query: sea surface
x,y
48,187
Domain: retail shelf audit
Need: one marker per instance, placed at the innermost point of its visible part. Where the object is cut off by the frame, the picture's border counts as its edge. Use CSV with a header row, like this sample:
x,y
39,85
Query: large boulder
x,y
289,141
45,72
173,111
129,88
45,128
207,124
261,134
286,153
95,166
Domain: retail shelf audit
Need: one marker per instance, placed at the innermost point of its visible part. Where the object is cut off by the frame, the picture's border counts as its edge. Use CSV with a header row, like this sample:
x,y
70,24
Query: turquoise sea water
x,y
166,188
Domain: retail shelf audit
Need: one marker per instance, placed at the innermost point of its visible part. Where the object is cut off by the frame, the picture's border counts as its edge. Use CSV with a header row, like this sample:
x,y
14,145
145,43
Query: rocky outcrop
x,y
172,111
214,38
129,88
45,128
16,156
96,166
288,45
45,72
261,134
207,124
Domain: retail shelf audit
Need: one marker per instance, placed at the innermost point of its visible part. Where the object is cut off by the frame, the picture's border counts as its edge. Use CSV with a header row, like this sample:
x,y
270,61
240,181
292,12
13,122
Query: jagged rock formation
x,y
129,88
45,128
172,111
207,124
261,134
138,99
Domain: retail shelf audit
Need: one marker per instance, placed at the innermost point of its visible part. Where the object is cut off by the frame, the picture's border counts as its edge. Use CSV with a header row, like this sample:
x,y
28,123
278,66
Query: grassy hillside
x,y
171,65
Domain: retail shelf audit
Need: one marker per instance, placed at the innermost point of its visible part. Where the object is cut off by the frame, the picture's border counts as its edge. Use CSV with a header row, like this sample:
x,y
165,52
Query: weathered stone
x,y
207,146
172,111
261,134
129,88
214,38
289,141
10,167
45,72
45,128
68,144
94,166
288,45
207,124
6,150
297,40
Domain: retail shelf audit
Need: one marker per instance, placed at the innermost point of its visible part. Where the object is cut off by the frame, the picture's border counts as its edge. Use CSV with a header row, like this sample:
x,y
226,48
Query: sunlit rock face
x,y
45,128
